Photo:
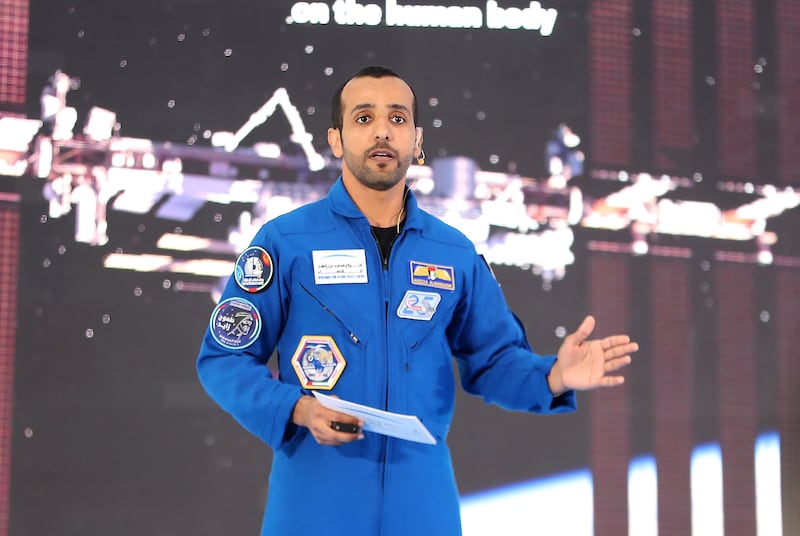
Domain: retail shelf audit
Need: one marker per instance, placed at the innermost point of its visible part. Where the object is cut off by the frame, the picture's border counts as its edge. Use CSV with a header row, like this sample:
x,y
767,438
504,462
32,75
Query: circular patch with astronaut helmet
x,y
253,270
235,323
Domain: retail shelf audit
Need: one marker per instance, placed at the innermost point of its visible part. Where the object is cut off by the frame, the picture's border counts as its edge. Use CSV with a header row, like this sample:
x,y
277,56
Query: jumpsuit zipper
x,y
385,275
325,308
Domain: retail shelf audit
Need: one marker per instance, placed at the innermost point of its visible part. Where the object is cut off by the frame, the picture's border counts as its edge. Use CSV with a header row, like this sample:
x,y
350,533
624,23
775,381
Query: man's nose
x,y
381,129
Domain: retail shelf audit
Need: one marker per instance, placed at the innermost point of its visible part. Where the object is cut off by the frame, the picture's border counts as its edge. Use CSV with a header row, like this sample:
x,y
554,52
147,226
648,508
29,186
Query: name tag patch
x,y
339,266
418,305
433,275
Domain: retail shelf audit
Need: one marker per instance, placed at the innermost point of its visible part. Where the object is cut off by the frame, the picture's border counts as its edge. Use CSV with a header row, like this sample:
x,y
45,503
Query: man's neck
x,y
381,208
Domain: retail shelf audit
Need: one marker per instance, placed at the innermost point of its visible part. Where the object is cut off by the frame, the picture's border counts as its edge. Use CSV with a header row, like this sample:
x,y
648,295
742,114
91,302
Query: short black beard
x,y
372,179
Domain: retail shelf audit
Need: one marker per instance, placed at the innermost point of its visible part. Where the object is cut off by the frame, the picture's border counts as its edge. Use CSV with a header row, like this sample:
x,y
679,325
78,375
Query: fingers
x,y
617,353
308,412
617,363
613,341
623,347
334,428
336,438
333,438
611,381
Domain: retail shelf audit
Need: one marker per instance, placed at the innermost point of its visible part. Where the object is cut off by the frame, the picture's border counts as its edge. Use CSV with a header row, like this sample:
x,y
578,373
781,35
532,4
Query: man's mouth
x,y
382,155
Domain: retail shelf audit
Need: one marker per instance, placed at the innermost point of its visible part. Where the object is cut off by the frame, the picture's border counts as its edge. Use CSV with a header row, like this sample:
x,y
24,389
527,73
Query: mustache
x,y
382,146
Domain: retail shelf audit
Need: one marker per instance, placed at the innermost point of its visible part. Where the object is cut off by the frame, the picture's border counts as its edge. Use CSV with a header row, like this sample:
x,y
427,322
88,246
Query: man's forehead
x,y
368,91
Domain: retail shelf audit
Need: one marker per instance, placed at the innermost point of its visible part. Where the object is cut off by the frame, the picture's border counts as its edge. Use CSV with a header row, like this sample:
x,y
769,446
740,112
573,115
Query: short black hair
x,y
375,71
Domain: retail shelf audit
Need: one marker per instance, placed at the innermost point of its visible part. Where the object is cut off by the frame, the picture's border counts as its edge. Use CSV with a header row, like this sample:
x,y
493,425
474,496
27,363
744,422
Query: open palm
x,y
588,364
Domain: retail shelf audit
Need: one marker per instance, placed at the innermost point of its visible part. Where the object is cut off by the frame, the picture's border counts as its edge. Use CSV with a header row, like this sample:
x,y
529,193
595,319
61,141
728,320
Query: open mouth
x,y
382,155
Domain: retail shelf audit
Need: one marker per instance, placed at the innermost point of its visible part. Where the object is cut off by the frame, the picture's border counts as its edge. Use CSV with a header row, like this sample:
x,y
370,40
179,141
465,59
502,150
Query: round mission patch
x,y
235,323
254,269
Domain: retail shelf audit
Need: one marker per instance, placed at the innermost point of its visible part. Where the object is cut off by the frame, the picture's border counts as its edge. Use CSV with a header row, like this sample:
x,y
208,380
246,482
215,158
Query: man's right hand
x,y
321,421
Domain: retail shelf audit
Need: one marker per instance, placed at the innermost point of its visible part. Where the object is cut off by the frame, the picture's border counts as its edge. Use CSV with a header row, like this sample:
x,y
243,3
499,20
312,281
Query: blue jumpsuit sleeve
x,y
494,358
238,379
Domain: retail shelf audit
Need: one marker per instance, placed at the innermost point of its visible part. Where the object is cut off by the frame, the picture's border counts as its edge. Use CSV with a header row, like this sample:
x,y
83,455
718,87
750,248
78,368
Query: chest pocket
x,y
323,344
341,305
422,315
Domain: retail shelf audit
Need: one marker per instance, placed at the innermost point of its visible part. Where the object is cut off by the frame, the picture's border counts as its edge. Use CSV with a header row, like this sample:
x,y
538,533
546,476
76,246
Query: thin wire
x,y
403,206
409,186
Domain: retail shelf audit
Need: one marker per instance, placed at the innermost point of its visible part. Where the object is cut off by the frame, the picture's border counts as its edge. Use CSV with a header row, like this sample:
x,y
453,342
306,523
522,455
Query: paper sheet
x,y
407,427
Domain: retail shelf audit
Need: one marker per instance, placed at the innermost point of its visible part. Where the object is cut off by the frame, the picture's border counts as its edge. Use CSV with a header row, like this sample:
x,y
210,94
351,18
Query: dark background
x,y
112,432
123,437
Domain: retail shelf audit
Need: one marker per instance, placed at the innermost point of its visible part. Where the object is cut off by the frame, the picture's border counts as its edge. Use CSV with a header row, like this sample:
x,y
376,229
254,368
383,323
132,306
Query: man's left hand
x,y
588,364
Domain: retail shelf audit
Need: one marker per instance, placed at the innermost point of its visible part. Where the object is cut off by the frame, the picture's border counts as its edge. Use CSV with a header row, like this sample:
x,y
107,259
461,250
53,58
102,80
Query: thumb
x,y
583,331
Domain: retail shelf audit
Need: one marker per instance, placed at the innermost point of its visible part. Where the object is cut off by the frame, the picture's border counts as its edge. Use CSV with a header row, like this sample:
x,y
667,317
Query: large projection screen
x,y
632,160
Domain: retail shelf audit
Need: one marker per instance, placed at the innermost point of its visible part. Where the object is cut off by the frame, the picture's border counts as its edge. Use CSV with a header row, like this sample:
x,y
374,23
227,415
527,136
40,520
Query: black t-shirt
x,y
385,237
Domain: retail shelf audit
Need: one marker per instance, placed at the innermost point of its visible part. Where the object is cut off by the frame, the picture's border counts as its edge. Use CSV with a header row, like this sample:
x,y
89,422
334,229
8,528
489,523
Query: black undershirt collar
x,y
385,237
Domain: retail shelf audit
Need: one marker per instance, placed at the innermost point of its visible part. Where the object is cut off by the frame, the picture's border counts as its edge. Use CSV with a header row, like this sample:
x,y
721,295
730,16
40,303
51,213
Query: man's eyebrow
x,y
401,107
370,106
363,106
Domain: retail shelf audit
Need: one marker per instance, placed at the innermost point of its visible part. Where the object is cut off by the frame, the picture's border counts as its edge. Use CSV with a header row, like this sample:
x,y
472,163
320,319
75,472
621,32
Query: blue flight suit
x,y
397,340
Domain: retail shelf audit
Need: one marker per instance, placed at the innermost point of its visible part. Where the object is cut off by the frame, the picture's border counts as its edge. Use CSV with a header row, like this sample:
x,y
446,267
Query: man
x,y
368,298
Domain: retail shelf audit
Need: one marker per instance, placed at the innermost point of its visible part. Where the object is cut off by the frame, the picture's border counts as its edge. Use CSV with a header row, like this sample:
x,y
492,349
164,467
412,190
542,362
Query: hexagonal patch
x,y
318,362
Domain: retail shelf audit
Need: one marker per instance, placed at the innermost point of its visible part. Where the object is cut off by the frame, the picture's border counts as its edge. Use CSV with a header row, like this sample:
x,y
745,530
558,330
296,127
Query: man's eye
x,y
362,119
399,119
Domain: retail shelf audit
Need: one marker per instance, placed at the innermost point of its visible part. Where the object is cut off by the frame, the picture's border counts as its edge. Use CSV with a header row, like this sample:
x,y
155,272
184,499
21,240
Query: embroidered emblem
x,y
432,275
418,305
235,323
339,266
318,362
253,270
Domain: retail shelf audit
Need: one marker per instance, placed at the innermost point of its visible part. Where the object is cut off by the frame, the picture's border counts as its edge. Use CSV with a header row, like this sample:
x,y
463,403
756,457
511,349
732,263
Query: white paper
x,y
407,427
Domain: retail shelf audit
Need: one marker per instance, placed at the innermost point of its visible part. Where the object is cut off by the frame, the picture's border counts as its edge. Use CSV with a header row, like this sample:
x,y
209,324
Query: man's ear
x,y
418,138
335,141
